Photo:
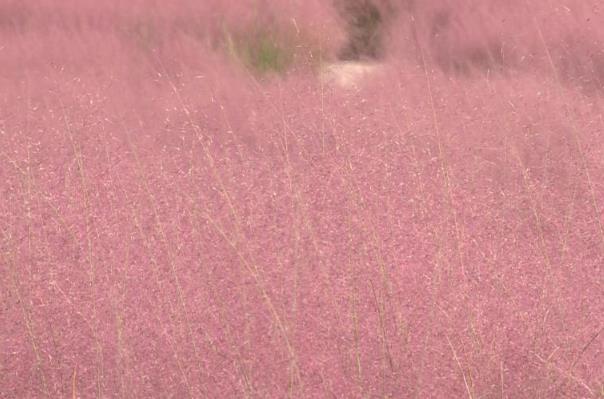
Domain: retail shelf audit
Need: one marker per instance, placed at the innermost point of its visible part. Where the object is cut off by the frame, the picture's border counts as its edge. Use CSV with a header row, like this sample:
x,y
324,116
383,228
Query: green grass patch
x,y
270,48
262,50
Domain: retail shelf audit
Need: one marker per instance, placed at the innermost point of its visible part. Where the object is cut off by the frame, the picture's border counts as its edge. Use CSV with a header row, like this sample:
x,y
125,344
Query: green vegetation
x,y
266,47
263,50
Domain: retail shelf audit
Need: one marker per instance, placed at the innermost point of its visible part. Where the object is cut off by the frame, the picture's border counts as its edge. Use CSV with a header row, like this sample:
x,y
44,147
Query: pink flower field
x,y
188,210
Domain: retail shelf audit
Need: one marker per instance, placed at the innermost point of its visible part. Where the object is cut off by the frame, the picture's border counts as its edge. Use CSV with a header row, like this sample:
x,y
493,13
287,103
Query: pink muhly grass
x,y
173,224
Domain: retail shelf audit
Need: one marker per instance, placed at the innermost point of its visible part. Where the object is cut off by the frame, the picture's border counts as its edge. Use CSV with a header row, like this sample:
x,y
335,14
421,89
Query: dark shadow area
x,y
364,24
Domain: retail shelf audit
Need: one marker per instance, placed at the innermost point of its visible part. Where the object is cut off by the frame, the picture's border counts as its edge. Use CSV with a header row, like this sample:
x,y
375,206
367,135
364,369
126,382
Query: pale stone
x,y
348,74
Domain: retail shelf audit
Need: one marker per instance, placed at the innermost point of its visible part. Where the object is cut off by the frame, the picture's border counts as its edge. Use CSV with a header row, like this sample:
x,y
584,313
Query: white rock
x,y
348,74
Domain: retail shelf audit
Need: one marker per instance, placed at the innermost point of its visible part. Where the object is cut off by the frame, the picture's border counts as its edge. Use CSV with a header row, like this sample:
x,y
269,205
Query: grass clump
x,y
263,50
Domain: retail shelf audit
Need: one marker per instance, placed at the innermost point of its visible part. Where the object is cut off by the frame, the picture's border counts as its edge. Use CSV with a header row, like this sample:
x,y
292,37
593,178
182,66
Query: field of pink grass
x,y
175,225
